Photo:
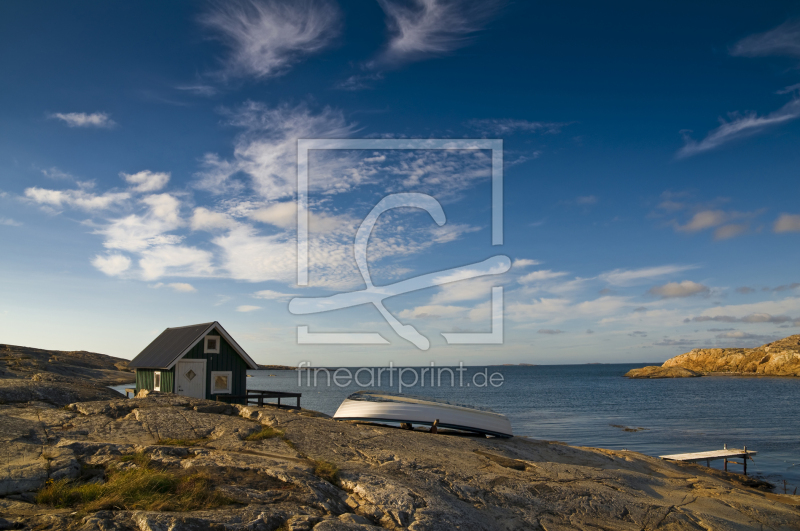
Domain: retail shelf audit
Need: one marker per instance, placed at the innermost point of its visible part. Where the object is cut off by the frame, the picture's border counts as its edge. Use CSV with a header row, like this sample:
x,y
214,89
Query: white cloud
x,y
782,40
82,119
135,233
787,223
266,37
754,312
632,277
508,126
179,287
730,231
524,262
146,181
586,200
247,308
113,264
75,198
433,311
549,331
10,222
555,310
175,261
271,295
672,290
205,219
538,276
426,28
705,219
738,127
284,216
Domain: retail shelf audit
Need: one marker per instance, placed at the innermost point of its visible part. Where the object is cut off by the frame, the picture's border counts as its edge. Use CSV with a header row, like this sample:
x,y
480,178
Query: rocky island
x,y
779,358
170,463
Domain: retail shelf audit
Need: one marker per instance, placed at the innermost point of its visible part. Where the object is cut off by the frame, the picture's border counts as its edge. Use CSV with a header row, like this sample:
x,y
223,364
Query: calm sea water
x,y
580,404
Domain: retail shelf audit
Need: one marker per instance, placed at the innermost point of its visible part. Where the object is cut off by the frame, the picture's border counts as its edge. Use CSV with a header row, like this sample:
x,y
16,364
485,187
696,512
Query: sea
x,y
594,405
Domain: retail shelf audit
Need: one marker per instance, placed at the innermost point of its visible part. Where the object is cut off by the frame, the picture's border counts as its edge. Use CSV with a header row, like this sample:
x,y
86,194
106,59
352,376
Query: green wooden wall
x,y
144,380
226,360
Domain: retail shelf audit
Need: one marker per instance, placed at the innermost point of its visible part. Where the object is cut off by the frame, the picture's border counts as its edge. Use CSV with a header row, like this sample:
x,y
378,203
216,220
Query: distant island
x,y
276,368
779,358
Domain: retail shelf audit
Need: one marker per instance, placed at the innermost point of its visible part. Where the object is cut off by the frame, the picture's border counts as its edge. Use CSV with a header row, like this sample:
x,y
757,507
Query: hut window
x,y
221,381
211,345
157,381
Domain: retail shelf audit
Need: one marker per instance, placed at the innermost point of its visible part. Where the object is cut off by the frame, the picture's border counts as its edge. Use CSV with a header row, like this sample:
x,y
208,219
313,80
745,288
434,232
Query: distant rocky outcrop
x,y
296,470
59,377
779,358
654,371
24,362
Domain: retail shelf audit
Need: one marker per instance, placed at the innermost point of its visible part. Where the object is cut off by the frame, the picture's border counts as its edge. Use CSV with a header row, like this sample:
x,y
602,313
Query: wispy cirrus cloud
x,y
632,277
266,37
508,126
266,149
738,126
782,40
82,119
426,28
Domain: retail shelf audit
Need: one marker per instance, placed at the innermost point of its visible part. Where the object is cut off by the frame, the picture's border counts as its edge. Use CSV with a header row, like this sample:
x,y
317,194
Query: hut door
x,y
190,378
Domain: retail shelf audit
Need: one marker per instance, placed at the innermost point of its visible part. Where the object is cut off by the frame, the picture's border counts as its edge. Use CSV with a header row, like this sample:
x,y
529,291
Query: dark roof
x,y
173,343
169,345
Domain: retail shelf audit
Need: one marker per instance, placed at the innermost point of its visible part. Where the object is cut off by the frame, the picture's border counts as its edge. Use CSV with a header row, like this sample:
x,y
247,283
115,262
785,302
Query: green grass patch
x,y
327,471
140,458
265,433
179,442
136,489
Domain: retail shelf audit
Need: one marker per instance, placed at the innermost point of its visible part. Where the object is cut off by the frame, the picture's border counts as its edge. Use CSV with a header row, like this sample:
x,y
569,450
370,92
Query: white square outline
x,y
306,144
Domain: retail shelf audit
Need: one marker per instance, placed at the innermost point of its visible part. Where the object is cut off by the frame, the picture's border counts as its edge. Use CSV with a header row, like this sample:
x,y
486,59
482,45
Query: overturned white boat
x,y
390,407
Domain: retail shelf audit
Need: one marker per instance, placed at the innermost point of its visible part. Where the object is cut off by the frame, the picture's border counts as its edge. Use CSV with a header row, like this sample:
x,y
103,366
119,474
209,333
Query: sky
x,y
148,175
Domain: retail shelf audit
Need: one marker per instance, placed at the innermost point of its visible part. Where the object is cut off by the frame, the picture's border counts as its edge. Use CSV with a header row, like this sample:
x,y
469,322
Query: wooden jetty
x,y
713,455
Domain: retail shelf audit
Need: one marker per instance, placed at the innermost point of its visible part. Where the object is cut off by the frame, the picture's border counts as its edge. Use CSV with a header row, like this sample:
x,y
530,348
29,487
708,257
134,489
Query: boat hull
x,y
425,413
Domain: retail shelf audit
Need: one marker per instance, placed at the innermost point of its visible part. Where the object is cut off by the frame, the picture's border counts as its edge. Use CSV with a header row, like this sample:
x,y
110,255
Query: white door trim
x,y
205,373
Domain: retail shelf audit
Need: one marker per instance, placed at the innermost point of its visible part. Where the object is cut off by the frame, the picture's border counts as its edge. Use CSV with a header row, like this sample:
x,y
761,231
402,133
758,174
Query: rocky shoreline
x,y
164,462
299,470
779,358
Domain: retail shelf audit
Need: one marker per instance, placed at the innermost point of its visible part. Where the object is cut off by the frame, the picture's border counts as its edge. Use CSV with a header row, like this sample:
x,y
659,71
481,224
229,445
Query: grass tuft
x,y
140,458
327,471
179,442
136,489
265,433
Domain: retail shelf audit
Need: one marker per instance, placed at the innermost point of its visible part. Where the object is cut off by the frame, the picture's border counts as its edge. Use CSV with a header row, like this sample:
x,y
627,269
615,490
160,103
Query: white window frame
x,y
214,375
156,374
207,350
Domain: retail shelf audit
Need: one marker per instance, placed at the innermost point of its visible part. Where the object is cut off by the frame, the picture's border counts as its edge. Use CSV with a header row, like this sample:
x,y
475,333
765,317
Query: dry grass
x,y
265,433
140,458
141,488
179,442
327,471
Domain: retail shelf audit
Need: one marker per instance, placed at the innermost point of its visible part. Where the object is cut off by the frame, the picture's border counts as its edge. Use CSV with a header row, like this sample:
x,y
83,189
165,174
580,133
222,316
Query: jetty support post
x,y
744,461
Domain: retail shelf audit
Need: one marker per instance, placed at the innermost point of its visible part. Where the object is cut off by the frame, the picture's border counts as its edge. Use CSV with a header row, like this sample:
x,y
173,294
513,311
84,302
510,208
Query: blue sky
x,y
148,173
